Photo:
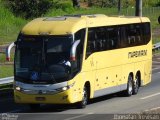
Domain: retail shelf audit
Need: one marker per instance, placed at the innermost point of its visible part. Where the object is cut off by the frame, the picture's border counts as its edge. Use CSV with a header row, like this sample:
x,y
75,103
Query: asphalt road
x,y
106,107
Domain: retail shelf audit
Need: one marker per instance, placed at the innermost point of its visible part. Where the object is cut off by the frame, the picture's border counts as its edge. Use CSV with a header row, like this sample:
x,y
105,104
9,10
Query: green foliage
x,y
150,3
125,3
6,71
157,4
63,5
102,3
29,8
3,58
9,25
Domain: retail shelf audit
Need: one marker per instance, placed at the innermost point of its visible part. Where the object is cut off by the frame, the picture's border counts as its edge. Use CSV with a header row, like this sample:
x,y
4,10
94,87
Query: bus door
x,y
89,63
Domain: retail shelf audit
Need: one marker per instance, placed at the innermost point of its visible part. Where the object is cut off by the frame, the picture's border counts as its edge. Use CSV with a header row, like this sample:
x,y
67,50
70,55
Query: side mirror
x,y
8,51
73,50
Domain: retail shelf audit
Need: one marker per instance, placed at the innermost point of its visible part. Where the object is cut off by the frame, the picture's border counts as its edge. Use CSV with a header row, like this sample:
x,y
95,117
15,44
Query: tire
x,y
129,90
136,86
83,103
34,107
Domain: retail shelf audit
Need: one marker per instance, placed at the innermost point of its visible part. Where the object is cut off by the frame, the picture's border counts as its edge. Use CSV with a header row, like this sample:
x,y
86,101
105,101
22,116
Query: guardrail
x,y
156,46
10,79
7,80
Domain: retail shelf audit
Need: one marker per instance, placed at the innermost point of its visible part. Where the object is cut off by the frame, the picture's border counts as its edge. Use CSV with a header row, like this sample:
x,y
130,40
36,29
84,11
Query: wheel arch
x,y
132,75
88,86
139,76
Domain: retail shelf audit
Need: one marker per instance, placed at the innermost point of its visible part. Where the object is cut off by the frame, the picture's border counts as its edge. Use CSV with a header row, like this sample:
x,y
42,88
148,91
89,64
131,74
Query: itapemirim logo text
x,y
8,116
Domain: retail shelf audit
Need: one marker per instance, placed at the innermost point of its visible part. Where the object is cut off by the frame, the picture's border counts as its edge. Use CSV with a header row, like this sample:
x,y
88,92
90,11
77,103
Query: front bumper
x,y
65,97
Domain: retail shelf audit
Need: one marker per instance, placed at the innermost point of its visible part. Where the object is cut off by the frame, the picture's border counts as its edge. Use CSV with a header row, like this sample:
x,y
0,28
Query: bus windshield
x,y
43,59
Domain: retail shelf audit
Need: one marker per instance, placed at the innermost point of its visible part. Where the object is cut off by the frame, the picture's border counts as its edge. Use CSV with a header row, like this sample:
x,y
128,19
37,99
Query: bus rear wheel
x,y
136,86
83,103
129,90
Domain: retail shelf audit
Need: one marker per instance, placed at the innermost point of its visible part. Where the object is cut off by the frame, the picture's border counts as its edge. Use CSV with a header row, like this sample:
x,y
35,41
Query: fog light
x,y
18,88
65,97
64,88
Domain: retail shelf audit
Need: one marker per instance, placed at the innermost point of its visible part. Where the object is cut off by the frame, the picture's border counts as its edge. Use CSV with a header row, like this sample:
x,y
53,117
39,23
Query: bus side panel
x,y
80,80
126,70
139,67
88,74
108,72
147,72
108,77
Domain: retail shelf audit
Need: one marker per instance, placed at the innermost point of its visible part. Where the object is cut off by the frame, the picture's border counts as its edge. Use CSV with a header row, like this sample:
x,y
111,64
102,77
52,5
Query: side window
x,y
91,42
134,35
131,33
96,40
80,35
112,38
146,32
122,36
138,36
101,38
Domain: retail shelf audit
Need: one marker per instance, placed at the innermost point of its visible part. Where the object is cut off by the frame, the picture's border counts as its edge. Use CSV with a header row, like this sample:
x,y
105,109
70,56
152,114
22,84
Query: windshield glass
x,y
43,59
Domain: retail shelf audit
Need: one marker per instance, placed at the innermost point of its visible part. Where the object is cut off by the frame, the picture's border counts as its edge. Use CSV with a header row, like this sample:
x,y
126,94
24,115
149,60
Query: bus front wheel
x,y
83,103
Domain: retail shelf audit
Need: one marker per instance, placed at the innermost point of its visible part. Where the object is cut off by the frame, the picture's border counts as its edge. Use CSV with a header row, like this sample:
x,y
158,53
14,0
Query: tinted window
x,y
112,41
76,65
146,32
114,37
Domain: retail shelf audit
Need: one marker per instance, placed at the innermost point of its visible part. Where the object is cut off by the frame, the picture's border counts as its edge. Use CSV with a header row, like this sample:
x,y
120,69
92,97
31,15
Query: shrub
x,y
64,5
159,19
29,8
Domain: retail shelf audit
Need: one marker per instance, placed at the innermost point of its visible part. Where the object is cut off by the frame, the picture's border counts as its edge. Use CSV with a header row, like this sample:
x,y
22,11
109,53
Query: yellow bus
x,y
71,59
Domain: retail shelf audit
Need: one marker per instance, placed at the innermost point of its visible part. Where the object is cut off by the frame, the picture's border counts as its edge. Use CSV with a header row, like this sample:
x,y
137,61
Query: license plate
x,y
40,98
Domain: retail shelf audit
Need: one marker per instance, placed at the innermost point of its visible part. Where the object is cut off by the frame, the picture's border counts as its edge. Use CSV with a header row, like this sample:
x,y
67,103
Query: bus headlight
x,y
17,88
65,88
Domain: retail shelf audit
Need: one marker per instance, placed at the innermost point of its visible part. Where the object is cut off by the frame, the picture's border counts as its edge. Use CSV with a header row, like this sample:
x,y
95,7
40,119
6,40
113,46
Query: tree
x,y
90,3
29,8
76,3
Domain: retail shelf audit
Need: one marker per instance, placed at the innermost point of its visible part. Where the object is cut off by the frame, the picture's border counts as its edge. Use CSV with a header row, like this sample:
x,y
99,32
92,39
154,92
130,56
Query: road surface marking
x,y
79,116
155,69
155,108
153,95
14,111
156,62
152,109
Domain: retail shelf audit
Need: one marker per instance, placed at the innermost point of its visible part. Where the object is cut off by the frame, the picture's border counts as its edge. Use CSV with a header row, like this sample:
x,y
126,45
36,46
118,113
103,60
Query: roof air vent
x,y
55,19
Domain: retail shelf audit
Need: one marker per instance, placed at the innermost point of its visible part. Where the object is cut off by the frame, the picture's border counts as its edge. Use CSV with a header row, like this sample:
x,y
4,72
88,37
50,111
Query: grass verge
x,y
6,71
10,25
6,87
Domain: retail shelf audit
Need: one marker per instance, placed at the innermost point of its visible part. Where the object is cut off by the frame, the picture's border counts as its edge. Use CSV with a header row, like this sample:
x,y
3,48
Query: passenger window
x,y
80,35
139,40
131,33
146,32
120,36
112,38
